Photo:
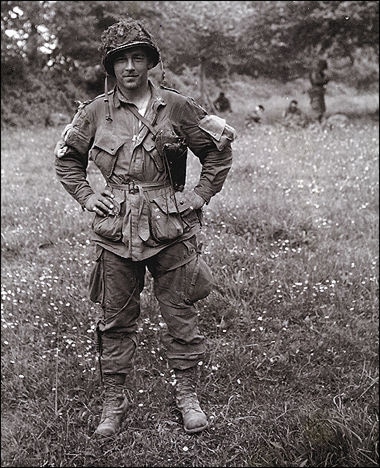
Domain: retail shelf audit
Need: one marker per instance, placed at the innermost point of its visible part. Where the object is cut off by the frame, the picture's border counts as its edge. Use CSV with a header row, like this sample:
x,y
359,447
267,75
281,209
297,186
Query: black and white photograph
x,y
189,233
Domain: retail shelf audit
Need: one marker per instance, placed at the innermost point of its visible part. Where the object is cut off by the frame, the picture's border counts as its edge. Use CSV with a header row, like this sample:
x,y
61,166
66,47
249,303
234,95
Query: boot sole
x,y
196,429
104,436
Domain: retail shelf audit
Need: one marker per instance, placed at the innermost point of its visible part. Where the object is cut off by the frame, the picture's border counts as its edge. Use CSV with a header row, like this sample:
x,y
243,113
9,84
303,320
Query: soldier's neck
x,y
138,96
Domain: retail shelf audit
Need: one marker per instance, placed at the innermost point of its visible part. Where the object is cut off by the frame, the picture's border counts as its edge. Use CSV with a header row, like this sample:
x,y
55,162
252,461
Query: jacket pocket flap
x,y
168,205
108,143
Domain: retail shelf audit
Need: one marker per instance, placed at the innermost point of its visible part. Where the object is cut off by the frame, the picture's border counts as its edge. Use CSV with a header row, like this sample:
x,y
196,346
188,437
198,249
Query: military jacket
x,y
318,80
147,217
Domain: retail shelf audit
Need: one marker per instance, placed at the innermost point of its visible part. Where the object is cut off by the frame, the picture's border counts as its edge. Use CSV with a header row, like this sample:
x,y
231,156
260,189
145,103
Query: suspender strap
x,y
137,114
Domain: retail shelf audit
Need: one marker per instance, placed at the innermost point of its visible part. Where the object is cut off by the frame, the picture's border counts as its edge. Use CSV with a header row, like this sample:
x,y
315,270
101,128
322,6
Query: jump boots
x,y
114,405
194,419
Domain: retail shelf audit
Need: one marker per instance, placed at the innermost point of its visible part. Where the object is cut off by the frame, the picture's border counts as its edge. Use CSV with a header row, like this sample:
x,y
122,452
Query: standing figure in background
x,y
318,80
138,135
222,103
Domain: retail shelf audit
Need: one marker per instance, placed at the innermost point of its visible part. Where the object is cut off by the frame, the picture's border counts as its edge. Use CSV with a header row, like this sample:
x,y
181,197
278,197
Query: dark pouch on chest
x,y
173,151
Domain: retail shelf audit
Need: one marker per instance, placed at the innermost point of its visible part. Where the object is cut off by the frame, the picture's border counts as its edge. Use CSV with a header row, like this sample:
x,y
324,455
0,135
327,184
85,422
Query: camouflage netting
x,y
123,35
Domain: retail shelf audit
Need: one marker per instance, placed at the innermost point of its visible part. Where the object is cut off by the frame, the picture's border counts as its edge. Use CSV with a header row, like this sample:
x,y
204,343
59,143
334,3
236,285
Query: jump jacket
x,y
147,216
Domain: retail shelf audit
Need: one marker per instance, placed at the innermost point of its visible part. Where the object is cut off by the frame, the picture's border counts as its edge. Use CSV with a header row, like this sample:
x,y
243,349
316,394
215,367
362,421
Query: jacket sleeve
x,y
71,157
209,138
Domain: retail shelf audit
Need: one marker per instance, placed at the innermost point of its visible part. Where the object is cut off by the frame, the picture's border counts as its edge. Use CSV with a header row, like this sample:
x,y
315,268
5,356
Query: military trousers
x,y
317,104
180,278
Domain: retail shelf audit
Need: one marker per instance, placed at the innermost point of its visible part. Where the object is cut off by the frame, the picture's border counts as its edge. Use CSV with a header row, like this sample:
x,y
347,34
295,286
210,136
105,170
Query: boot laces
x,y
188,402
114,400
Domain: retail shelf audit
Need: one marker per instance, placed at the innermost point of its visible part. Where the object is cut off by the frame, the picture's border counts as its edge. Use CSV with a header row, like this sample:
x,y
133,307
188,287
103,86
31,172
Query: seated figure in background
x,y
293,116
255,117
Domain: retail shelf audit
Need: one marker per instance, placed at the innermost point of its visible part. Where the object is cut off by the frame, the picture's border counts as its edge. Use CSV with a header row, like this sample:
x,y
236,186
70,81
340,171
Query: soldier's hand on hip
x,y
198,201
190,199
100,203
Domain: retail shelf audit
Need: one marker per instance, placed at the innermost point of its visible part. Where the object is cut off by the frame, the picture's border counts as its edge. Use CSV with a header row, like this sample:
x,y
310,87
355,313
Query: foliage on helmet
x,y
123,35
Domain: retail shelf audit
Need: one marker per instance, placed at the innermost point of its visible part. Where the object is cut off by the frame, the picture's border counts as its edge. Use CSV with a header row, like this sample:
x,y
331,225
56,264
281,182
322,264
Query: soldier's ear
x,y
151,63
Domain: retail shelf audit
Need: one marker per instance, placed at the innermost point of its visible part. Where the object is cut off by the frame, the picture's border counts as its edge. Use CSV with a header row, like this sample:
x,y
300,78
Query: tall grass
x,y
291,373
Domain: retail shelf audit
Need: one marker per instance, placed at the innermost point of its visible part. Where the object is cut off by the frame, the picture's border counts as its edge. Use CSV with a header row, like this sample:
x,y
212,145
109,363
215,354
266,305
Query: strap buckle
x,y
132,187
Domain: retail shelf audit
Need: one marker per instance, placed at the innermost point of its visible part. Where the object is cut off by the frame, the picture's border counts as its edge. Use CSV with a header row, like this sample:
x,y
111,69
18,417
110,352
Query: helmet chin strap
x,y
106,100
162,72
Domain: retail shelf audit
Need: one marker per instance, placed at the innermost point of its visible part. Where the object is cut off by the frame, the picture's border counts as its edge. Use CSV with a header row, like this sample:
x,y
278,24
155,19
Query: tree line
x,y
50,49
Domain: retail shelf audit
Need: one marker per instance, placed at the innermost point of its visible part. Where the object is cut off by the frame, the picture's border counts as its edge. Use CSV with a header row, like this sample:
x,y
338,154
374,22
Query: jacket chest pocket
x,y
104,152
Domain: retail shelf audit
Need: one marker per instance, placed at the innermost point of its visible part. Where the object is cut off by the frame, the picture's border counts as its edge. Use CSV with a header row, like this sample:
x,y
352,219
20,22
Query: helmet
x,y
122,36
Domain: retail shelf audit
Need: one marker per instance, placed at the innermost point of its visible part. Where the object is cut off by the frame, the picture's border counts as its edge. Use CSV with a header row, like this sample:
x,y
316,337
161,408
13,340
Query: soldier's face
x,y
131,68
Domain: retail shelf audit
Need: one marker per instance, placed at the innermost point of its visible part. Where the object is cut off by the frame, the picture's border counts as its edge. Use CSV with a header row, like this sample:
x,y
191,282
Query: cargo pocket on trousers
x,y
96,286
199,280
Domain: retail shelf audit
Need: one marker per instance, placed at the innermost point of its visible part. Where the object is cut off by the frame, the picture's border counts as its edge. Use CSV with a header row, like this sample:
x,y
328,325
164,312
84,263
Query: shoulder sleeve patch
x,y
217,128
213,125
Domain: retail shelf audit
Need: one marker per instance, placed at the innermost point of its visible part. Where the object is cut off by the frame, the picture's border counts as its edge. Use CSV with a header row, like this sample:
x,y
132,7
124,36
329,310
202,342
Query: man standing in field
x,y
137,135
318,79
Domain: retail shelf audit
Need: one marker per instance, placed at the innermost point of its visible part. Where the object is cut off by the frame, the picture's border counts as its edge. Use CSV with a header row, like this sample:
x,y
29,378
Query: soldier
x,y
255,117
293,116
137,134
222,103
318,79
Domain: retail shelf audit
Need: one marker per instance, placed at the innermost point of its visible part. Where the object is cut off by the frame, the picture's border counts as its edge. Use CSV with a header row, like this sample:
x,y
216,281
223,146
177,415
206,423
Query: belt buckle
x,y
132,187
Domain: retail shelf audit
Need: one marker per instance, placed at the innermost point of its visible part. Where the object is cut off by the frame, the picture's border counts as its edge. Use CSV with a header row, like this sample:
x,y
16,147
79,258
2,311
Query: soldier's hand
x,y
198,201
190,199
60,149
100,203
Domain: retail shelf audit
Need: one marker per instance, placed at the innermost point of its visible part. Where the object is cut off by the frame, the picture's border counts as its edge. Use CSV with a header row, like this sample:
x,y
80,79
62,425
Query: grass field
x,y
291,373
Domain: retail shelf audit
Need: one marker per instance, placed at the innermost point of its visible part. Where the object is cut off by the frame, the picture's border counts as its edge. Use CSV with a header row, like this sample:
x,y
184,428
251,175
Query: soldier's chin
x,y
130,82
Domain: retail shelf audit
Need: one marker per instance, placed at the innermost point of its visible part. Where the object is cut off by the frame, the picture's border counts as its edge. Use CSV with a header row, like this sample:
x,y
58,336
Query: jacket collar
x,y
157,98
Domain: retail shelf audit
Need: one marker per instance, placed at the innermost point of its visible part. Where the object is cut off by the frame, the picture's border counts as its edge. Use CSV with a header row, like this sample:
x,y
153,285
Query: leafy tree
x,y
23,35
200,35
25,41
282,38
